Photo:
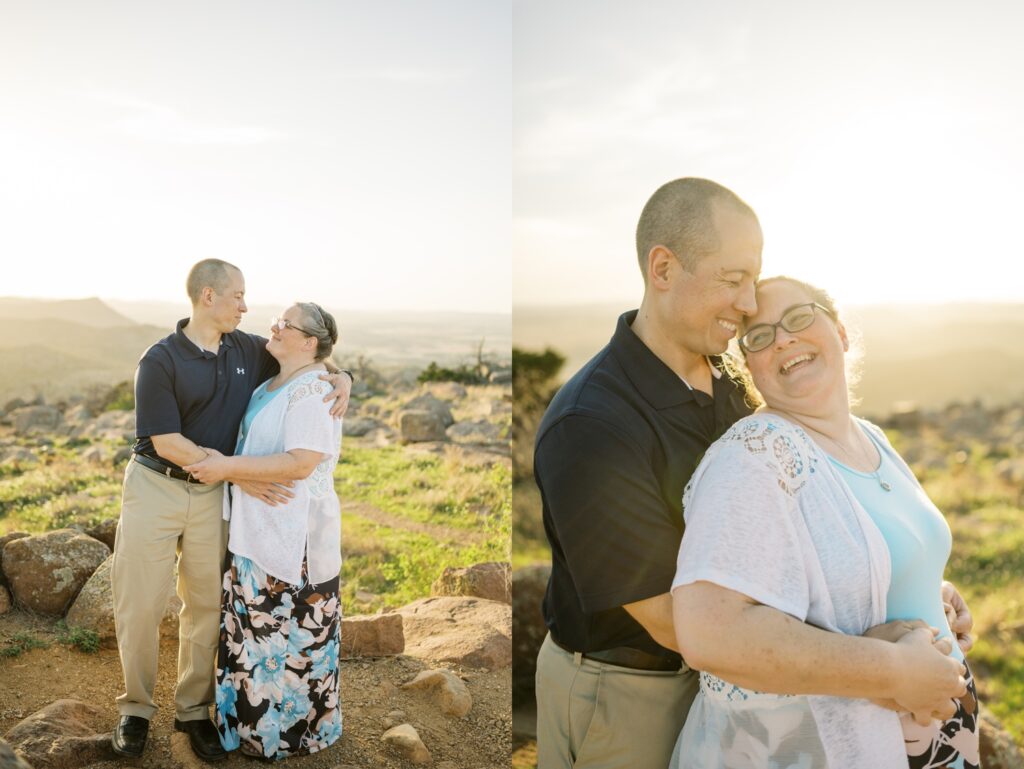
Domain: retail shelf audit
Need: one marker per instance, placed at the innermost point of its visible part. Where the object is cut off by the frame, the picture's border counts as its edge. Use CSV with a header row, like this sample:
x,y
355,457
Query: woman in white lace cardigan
x,y
790,520
277,667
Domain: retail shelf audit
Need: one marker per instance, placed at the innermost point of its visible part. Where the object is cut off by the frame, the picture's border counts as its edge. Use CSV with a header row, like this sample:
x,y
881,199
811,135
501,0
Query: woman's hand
x,y
927,680
958,615
216,467
272,494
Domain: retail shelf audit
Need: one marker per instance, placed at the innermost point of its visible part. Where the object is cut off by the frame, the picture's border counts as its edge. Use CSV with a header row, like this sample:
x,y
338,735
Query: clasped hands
x,y
931,680
217,467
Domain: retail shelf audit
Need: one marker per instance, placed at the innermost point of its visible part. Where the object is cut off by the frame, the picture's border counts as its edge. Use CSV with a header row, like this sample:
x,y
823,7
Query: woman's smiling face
x,y
800,370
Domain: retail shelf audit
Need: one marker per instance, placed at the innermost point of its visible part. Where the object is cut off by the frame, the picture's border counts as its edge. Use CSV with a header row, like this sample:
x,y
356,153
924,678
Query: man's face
x,y
227,307
708,305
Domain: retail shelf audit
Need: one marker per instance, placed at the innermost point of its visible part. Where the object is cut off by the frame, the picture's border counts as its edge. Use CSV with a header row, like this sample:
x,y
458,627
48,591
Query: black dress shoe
x,y
130,736
203,737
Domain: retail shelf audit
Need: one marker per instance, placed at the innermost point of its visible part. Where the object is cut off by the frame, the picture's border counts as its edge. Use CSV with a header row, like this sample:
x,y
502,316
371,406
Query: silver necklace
x,y
864,455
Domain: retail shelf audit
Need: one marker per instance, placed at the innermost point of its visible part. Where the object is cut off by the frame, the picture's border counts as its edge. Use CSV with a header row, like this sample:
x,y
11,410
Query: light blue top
x,y
917,535
260,398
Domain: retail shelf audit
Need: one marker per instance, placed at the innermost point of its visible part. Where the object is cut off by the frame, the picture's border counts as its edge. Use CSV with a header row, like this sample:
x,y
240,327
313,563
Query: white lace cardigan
x,y
767,515
277,538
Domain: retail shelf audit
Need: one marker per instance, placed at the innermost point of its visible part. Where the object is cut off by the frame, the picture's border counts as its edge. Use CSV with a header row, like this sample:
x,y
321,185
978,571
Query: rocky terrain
x,y
424,681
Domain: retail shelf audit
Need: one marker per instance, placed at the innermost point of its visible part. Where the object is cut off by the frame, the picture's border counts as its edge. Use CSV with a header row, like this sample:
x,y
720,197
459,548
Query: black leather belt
x,y
163,469
627,657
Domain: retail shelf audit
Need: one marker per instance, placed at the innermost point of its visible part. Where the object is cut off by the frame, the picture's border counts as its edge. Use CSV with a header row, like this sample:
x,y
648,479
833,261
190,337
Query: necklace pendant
x,y
886,486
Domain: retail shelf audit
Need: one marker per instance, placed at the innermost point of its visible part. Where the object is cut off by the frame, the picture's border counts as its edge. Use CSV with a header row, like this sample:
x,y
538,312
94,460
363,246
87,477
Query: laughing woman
x,y
277,667
802,513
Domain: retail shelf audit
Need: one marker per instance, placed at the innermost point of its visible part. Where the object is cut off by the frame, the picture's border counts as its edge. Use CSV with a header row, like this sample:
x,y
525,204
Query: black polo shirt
x,y
614,451
180,388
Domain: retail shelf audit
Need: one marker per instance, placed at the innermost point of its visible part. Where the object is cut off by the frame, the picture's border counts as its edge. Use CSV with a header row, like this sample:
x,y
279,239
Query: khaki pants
x,y
163,517
591,715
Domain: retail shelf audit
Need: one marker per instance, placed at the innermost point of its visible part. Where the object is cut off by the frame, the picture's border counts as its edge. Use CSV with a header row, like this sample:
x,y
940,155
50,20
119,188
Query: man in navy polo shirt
x,y
191,390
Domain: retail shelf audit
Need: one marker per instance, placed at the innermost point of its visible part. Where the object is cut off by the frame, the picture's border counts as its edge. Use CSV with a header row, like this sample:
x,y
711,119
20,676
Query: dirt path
x,y
370,690
441,533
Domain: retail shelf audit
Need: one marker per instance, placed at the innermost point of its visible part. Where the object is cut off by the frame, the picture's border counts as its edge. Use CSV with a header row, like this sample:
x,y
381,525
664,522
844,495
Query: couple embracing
x,y
744,574
237,437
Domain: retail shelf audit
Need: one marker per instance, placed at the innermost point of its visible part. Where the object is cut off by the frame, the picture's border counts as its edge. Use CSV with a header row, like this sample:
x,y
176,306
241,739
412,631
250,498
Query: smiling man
x,y
191,390
614,451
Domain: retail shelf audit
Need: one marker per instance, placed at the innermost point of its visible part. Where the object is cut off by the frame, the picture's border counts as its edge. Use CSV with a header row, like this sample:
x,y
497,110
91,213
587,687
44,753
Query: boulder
x,y
528,628
998,750
95,454
483,580
93,609
379,635
110,425
480,431
428,402
448,689
407,743
63,735
449,391
31,420
466,631
9,759
420,425
360,426
104,531
5,600
18,455
3,543
78,414
47,571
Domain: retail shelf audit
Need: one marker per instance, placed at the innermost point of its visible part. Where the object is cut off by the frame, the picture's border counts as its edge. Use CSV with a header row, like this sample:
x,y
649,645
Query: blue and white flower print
x,y
277,666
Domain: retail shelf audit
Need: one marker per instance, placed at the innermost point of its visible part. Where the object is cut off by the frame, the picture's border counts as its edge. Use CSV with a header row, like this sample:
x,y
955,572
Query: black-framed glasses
x,y
281,324
795,318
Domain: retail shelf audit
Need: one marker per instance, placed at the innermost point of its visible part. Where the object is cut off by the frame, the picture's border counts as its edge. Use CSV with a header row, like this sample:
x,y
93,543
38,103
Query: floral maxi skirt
x,y
277,666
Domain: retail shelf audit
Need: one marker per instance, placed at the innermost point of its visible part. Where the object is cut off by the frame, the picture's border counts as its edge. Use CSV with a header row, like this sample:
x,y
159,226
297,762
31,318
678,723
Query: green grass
x,y
81,638
443,513
451,515
21,642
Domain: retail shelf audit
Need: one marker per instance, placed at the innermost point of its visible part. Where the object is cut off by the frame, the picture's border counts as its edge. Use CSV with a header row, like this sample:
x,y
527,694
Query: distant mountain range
x,y
58,347
926,354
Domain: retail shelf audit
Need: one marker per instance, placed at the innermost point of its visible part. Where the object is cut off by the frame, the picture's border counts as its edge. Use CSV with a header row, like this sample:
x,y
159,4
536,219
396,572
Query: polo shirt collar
x,y
656,382
189,349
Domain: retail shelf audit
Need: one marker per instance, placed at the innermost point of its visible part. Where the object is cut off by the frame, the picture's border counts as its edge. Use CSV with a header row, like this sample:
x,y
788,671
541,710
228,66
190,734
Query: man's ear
x,y
843,336
659,266
207,295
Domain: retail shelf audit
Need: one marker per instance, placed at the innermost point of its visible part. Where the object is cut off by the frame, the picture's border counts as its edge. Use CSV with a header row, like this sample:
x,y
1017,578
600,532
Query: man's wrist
x,y
350,374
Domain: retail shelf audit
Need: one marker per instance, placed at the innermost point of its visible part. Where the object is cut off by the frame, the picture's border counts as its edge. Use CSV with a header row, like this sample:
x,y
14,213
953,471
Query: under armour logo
x,y
239,370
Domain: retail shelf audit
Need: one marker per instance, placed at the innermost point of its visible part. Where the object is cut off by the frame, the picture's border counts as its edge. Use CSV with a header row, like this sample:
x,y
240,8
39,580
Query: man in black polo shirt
x,y
615,449
191,390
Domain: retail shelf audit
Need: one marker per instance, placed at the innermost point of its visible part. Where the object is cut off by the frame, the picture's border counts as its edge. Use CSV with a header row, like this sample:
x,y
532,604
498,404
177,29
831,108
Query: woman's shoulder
x,y
771,443
307,385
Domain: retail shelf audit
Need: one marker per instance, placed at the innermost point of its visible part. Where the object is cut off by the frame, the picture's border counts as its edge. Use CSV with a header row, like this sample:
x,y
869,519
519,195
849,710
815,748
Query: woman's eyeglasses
x,y
281,324
796,318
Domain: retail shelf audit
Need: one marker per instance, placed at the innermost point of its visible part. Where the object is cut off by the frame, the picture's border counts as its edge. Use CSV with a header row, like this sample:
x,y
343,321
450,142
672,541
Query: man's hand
x,y
958,615
272,494
210,470
342,384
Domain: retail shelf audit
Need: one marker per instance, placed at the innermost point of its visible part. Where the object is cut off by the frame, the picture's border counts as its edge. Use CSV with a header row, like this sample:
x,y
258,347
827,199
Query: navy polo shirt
x,y
180,388
614,451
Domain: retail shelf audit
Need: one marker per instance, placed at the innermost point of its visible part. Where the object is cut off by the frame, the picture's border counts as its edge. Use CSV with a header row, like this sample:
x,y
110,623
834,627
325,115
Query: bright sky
x,y
879,142
353,153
